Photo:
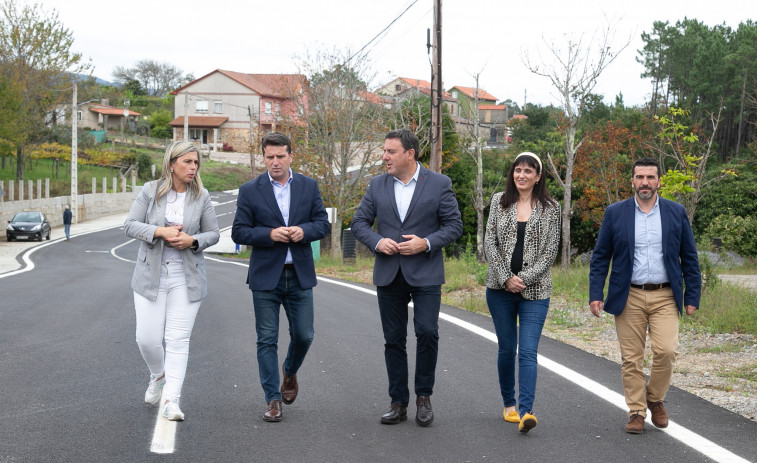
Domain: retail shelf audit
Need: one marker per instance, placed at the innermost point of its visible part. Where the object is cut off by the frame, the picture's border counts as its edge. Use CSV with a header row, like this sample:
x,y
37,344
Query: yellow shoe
x,y
527,423
511,417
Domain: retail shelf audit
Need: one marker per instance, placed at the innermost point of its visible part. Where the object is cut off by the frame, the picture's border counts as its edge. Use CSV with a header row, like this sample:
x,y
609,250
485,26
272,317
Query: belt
x,y
651,286
289,266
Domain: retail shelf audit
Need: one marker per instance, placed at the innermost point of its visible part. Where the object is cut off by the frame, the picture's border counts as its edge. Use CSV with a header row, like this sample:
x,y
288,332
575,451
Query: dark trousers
x,y
298,306
393,301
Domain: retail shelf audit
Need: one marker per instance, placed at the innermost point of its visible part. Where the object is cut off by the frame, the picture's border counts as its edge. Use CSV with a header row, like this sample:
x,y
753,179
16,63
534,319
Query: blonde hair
x,y
174,151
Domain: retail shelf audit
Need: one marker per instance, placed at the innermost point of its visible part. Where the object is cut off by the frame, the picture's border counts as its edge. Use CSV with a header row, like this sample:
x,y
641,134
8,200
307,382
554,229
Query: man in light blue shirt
x,y
651,246
279,214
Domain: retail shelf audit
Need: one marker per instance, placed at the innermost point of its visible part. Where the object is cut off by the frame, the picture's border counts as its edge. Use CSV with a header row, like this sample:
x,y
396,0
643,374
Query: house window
x,y
79,116
201,106
268,107
398,88
454,93
218,107
278,108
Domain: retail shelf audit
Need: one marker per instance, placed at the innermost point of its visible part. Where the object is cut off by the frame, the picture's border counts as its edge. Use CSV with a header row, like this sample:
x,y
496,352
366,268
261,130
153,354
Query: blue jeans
x,y
507,310
393,302
298,306
67,229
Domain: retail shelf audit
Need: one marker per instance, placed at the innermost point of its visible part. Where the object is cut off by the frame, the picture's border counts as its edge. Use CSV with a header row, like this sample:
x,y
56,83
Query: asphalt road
x,y
72,382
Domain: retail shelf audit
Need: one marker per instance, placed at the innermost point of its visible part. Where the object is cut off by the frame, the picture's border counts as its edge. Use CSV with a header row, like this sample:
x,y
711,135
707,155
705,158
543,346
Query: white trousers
x,y
170,318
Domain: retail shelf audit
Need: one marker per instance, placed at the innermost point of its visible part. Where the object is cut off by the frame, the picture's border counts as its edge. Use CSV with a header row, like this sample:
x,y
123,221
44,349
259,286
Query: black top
x,y
516,263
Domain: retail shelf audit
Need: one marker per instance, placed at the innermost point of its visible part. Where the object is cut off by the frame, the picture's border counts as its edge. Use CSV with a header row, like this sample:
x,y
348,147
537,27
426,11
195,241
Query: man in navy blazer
x,y
651,246
417,216
279,214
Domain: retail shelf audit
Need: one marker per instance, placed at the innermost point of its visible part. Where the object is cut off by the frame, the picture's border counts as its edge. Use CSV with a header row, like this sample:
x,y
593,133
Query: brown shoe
x,y
396,413
274,411
289,387
424,415
635,424
659,415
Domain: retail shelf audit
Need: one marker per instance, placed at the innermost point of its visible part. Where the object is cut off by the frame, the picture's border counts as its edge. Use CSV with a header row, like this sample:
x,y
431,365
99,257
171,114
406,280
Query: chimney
x,y
105,101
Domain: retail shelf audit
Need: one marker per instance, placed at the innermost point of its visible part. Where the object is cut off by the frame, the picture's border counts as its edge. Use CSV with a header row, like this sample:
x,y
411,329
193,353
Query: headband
x,y
527,153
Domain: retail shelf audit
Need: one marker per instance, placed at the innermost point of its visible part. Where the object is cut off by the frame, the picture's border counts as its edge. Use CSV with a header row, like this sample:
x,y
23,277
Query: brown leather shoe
x,y
274,411
397,413
659,415
635,424
425,415
289,387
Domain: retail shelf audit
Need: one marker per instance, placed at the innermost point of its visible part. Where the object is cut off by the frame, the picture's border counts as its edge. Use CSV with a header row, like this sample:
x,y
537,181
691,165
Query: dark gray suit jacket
x,y
432,214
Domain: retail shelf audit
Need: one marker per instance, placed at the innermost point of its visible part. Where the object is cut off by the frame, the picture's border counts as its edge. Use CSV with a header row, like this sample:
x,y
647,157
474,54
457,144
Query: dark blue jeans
x,y
298,306
508,311
393,301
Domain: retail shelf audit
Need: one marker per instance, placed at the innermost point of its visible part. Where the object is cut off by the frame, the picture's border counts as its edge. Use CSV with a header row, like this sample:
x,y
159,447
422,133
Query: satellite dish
x,y
126,113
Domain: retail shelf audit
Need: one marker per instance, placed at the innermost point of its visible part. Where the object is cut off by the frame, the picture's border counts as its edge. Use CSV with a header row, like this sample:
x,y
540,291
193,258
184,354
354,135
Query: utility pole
x,y
74,157
186,116
253,141
436,91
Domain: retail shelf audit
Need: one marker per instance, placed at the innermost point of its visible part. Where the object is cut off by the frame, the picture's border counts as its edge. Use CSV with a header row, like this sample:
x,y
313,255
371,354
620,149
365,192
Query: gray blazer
x,y
145,217
432,214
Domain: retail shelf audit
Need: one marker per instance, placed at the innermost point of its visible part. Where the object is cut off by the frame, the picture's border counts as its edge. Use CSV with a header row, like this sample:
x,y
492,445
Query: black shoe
x,y
424,416
397,413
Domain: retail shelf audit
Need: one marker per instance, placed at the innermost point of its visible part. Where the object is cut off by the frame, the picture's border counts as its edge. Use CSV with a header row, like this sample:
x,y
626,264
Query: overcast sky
x,y
488,37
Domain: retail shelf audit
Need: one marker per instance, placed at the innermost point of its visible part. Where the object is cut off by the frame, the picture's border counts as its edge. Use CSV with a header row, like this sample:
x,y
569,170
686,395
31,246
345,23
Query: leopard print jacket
x,y
539,250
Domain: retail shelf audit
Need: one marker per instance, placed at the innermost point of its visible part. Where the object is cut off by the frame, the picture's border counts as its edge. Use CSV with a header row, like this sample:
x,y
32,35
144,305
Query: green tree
x,y
36,63
159,127
341,142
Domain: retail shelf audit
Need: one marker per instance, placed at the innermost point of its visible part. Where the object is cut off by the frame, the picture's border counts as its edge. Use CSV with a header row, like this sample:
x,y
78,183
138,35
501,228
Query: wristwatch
x,y
195,245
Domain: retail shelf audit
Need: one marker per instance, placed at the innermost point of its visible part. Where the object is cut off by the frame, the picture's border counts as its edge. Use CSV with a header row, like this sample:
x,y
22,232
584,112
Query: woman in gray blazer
x,y
522,236
174,220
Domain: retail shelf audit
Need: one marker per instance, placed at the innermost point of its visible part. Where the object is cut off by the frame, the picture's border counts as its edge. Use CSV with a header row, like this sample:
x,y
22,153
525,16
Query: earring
x,y
172,171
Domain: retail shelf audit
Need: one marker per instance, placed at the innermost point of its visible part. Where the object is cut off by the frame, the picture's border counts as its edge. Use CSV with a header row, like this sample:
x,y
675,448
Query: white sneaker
x,y
155,388
172,412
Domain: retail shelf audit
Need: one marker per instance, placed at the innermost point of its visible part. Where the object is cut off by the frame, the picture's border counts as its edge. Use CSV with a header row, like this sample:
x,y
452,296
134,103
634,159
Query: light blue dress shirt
x,y
403,195
648,261
283,194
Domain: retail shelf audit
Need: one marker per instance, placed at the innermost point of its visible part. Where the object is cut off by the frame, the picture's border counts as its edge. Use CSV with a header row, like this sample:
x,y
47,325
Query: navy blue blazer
x,y
258,213
432,214
616,242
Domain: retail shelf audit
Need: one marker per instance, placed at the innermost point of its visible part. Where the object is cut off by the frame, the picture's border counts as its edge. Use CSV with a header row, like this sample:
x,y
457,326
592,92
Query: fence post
x,y
94,185
47,188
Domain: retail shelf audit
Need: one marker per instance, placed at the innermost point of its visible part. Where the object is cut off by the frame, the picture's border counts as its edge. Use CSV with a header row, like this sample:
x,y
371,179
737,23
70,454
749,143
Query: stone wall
x,y
91,206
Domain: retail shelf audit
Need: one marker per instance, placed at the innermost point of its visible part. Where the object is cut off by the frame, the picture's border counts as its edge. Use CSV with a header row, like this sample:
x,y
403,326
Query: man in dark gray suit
x,y
417,216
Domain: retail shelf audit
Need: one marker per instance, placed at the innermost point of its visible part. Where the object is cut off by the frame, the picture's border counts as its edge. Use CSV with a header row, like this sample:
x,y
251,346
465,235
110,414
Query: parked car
x,y
28,225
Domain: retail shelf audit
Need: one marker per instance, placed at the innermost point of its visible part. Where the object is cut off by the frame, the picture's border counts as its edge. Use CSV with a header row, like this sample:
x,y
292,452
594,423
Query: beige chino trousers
x,y
656,312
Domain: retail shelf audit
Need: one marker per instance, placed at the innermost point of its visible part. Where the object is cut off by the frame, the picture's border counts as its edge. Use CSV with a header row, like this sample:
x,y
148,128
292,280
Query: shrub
x,y
227,147
738,234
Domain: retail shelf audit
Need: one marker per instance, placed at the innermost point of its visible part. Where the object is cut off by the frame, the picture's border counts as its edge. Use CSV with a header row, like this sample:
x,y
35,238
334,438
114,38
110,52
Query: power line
x,y
382,31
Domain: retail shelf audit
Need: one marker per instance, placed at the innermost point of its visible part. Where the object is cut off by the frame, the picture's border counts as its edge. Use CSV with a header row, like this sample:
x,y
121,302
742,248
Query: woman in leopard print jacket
x,y
522,236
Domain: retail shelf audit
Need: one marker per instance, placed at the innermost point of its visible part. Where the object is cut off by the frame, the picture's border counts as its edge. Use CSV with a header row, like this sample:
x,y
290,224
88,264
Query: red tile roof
x,y
272,85
373,98
471,93
416,82
110,110
492,107
199,121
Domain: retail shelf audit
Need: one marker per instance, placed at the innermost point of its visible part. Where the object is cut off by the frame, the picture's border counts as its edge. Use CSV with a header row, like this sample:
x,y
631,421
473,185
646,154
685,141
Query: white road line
x,y
164,434
678,432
